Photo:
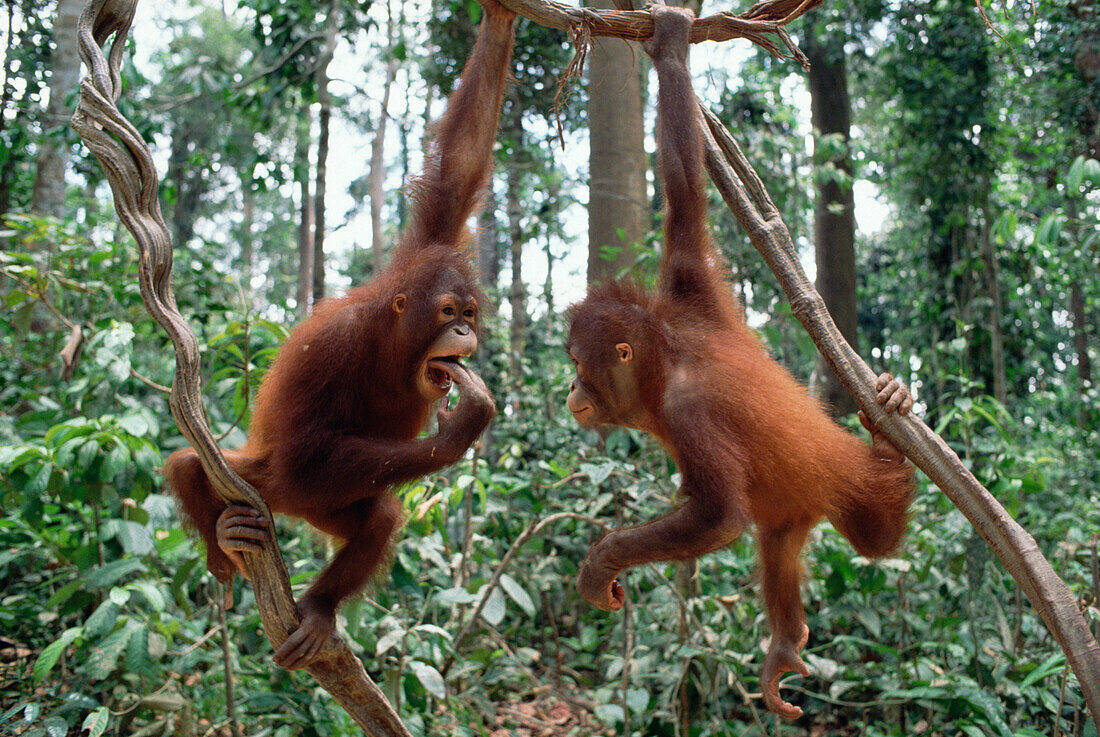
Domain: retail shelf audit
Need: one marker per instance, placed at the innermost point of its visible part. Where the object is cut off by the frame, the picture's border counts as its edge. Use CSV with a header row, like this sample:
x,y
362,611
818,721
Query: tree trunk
x,y
488,244
190,183
319,200
324,99
402,200
376,181
305,208
248,247
7,171
1081,347
518,294
48,196
996,310
617,210
834,213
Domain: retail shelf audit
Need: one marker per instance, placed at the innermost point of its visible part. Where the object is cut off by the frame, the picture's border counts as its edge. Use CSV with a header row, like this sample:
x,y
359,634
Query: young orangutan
x,y
751,444
336,419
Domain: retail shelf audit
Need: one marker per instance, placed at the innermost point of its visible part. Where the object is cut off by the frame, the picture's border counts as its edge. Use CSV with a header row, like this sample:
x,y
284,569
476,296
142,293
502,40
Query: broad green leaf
x,y
55,726
429,678
103,658
1050,666
63,594
1092,170
117,459
493,611
87,453
990,707
135,538
137,650
96,722
134,424
152,594
1075,174
108,574
609,713
637,699
52,653
102,620
40,481
456,595
388,640
517,594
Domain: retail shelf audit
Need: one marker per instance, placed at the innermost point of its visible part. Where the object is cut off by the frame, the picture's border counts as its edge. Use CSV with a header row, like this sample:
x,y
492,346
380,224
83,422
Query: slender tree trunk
x,y
548,283
687,583
319,202
488,262
834,213
617,207
376,181
1081,347
332,26
996,311
488,242
305,208
248,247
402,200
190,183
518,294
7,171
8,88
48,196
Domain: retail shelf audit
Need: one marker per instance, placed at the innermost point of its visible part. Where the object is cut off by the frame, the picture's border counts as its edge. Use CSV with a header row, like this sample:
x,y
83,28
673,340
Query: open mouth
x,y
438,374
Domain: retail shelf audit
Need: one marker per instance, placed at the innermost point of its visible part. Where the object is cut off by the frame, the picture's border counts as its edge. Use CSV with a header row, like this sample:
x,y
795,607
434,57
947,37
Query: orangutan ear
x,y
399,303
626,353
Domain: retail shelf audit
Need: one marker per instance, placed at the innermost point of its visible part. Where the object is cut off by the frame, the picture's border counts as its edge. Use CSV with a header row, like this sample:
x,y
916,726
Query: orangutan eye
x,y
449,311
468,313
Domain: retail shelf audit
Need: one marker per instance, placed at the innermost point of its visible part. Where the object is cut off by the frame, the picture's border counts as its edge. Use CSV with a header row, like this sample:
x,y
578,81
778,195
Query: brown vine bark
x,y
128,166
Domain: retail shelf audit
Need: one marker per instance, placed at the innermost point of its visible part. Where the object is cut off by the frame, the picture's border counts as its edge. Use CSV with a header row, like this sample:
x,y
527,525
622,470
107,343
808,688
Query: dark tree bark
x,y
488,243
617,207
996,310
834,213
248,246
48,196
324,98
305,209
7,171
518,293
1081,347
190,183
376,182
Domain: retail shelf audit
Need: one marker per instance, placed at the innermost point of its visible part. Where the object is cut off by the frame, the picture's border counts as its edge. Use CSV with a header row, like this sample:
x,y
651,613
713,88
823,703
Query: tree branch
x,y
128,166
759,24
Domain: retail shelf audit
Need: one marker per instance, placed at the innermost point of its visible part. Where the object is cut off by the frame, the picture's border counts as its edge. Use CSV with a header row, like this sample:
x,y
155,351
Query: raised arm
x,y
687,269
459,160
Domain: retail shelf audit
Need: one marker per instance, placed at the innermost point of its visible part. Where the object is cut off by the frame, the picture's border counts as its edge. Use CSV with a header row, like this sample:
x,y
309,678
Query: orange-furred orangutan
x,y
337,418
751,444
